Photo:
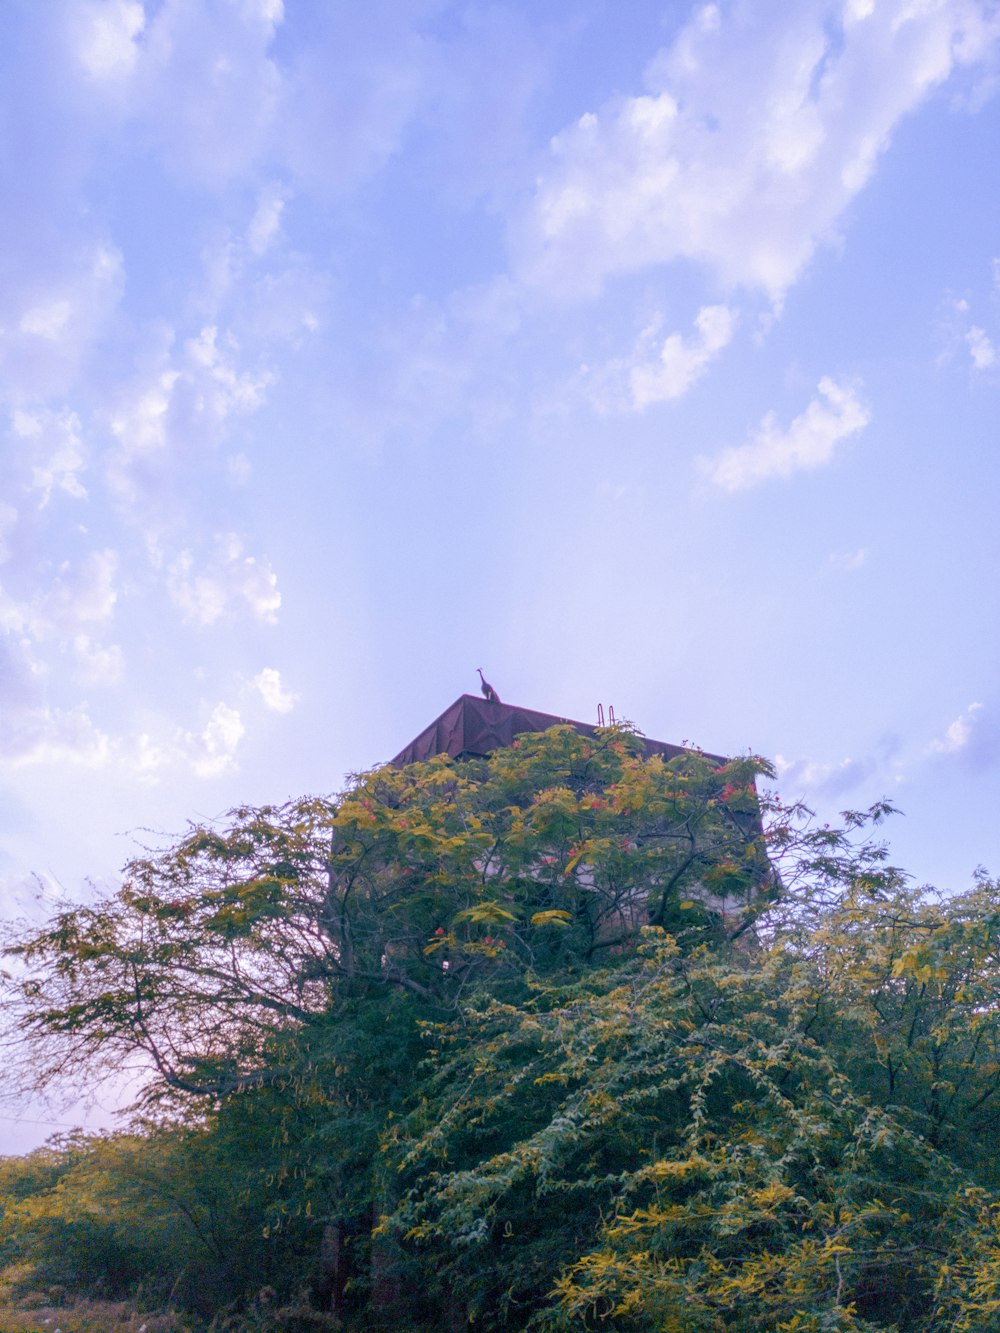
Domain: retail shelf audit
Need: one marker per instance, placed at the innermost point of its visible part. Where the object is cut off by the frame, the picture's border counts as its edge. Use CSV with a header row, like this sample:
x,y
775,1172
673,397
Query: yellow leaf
x,y
555,917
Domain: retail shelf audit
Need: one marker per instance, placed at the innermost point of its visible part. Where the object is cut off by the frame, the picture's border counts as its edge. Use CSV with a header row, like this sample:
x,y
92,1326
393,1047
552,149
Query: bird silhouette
x,y
488,691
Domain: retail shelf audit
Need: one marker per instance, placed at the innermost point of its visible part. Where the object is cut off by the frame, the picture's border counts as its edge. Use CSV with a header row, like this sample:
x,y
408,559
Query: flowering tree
x,y
430,881
566,1037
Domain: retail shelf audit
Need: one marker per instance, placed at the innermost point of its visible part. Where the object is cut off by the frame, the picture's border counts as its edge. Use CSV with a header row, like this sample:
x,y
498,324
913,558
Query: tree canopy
x,y
563,1038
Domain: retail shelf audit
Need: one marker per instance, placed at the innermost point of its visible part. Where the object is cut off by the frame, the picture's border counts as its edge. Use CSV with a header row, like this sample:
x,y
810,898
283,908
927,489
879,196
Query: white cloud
x,y
83,594
230,579
757,131
141,422
205,87
53,314
981,349
962,333
42,631
809,441
213,751
682,362
47,320
50,319
277,297
142,428
239,468
336,132
57,453
268,12
201,597
37,734
46,735
848,561
265,225
99,664
822,779
181,402
148,757
221,389
8,522
36,896
958,735
20,672
106,34
274,694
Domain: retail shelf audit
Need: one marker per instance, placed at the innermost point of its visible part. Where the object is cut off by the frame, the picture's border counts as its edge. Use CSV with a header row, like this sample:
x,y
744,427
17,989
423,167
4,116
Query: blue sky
x,y
643,354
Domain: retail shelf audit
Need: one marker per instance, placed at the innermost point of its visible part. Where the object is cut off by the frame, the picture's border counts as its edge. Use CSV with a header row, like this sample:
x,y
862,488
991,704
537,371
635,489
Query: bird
x,y
488,691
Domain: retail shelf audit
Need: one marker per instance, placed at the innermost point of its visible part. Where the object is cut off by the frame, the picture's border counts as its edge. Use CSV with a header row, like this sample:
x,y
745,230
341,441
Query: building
x,y
473,727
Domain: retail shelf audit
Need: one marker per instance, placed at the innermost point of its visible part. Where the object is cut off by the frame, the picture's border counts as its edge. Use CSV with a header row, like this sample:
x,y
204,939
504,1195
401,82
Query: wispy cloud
x,y
82,594
212,751
199,79
98,663
179,401
56,455
265,225
848,562
752,139
8,522
822,779
231,580
54,736
808,442
52,315
658,369
682,361
981,348
273,692
105,37
959,734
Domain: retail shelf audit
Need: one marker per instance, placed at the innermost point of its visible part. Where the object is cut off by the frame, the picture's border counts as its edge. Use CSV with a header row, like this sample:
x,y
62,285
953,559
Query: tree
x,y
913,976
561,1038
670,1148
429,881
288,959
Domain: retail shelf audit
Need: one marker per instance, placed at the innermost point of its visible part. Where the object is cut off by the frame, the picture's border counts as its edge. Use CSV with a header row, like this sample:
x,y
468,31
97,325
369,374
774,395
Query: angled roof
x,y
473,727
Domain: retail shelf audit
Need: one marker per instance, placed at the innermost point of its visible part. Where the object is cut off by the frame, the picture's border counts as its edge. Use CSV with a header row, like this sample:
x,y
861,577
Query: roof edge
x,y
473,728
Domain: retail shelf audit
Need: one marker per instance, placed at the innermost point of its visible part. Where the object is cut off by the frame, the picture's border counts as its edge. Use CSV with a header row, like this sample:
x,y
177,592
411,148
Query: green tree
x,y
560,1038
668,1147
282,965
429,881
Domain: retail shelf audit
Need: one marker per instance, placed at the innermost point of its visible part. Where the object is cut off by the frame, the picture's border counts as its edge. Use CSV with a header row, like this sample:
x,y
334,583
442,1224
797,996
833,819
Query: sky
x,y
640,354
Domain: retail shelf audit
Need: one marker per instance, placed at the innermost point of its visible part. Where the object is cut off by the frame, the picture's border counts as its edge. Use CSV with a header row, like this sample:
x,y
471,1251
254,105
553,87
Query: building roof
x,y
473,727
